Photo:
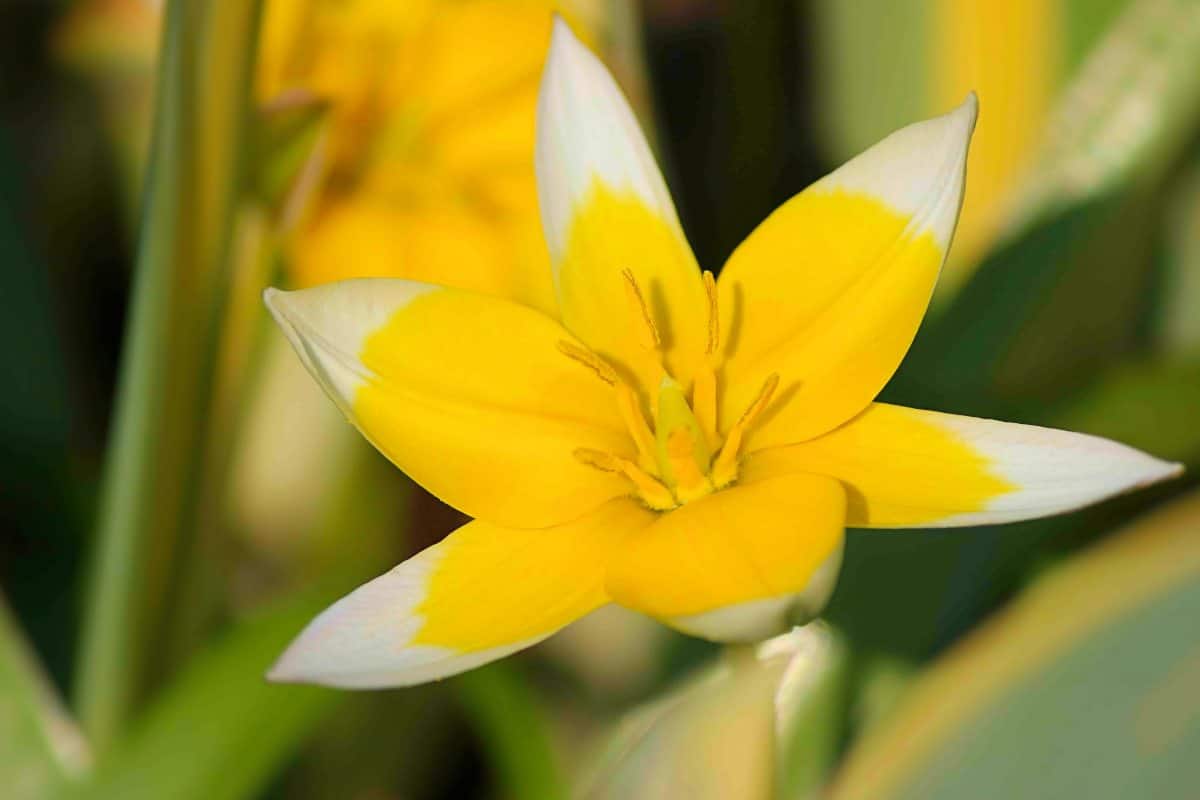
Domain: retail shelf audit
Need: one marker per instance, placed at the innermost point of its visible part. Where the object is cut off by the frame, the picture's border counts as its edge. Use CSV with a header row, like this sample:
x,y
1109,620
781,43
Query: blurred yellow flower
x,y
687,448
430,175
977,49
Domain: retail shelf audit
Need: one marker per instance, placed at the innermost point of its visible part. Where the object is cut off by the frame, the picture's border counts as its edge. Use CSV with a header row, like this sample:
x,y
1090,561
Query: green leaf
x,y
154,469
1148,405
1180,324
41,749
220,731
1086,686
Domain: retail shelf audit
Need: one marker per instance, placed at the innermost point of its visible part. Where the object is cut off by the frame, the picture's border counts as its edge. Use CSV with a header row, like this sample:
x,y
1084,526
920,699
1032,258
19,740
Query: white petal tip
x,y
290,667
967,112
1163,471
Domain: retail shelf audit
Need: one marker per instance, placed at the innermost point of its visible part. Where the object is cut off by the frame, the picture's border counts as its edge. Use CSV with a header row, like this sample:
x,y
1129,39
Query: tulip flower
x,y
687,447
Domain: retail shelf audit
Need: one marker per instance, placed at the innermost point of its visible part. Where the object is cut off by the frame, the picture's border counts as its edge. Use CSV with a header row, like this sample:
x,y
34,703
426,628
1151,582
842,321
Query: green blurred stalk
x,y
157,446
503,712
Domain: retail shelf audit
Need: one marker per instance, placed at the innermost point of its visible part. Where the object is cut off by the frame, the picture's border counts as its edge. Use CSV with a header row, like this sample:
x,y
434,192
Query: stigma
x,y
681,454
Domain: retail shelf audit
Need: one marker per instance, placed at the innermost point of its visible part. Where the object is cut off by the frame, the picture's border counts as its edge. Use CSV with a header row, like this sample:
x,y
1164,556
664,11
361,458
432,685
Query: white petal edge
x,y
756,620
586,131
919,170
1055,471
327,326
364,640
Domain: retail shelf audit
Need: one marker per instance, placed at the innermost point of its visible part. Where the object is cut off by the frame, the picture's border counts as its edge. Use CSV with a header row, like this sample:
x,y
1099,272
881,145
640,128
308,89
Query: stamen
x,y
635,423
704,403
653,493
714,325
725,465
590,360
651,340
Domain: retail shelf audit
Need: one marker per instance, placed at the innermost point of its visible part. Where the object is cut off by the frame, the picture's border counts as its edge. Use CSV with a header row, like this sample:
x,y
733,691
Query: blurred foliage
x,y
1085,687
42,749
1072,301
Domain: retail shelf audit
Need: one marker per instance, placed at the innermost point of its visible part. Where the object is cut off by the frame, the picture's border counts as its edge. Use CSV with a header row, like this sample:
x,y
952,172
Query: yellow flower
x,y
430,173
688,448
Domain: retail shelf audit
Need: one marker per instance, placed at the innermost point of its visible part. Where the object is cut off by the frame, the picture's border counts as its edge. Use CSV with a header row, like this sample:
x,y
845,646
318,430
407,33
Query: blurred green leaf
x,y
1126,115
1180,321
41,749
1086,686
220,731
155,459
1148,405
511,730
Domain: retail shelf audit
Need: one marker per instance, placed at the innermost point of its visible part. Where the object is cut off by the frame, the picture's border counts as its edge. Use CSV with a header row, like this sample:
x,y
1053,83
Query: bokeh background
x,y
177,498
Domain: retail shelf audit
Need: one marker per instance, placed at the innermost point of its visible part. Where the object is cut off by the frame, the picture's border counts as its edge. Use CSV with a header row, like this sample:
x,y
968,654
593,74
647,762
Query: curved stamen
x,y
652,493
725,465
650,338
590,360
714,327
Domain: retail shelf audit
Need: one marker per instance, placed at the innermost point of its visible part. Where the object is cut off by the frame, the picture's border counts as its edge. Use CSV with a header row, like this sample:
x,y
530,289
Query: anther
x,y
714,326
652,493
725,465
651,340
704,402
590,360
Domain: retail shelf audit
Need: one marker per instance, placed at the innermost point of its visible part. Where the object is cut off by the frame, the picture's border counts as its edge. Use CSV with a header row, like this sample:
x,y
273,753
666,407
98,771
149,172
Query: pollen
x,y
603,370
648,330
649,488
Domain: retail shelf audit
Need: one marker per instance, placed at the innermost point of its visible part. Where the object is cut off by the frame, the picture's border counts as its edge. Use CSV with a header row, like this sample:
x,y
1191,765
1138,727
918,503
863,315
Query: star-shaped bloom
x,y
687,447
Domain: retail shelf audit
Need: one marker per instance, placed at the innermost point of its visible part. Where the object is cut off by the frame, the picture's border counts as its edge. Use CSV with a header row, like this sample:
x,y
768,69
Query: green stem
x,y
157,444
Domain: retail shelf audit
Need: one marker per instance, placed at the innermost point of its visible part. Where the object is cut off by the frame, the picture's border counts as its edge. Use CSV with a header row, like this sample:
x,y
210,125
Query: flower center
x,y
683,456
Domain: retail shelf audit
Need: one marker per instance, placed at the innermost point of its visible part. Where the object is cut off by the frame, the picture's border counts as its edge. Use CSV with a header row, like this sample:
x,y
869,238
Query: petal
x,y
738,564
480,594
829,291
908,468
468,394
605,209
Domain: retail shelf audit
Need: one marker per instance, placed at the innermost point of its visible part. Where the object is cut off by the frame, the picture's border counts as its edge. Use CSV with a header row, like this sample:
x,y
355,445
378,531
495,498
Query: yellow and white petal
x,y
606,210
468,394
829,291
480,594
740,564
903,467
